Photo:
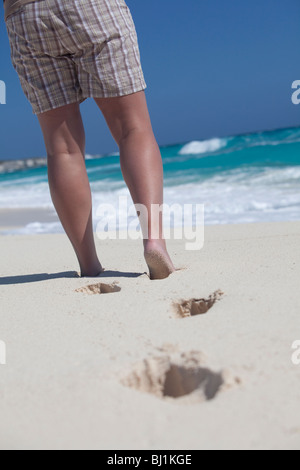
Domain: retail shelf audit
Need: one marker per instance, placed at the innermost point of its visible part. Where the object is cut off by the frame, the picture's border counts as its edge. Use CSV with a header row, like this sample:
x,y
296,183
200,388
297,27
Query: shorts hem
x,y
50,108
104,94
118,94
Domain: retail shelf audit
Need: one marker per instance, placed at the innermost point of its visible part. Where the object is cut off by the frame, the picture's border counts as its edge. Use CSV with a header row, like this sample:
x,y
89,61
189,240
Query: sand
x,y
200,360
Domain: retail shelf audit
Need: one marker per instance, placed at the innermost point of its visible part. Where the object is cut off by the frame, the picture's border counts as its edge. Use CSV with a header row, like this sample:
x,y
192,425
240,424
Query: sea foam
x,y
206,146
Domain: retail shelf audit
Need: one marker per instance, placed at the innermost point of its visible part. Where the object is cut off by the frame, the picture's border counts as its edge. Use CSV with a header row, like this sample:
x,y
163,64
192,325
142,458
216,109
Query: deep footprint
x,y
169,378
100,288
192,307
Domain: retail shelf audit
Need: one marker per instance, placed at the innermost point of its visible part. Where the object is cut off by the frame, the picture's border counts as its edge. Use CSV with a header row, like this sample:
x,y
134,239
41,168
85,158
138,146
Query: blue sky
x,y
213,68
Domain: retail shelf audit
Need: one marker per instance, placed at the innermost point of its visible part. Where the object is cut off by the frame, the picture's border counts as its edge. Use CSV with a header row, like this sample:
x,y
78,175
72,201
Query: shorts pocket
x,y
15,13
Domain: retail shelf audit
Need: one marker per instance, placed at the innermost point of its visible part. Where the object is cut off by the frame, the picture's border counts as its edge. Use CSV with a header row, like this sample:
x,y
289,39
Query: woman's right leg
x,y
142,168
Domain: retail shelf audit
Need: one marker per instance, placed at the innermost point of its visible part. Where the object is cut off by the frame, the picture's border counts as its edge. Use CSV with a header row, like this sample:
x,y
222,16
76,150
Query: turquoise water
x,y
247,178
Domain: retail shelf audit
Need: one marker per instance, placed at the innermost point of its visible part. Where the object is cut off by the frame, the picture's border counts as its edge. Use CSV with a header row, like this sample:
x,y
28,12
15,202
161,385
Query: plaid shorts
x,y
66,51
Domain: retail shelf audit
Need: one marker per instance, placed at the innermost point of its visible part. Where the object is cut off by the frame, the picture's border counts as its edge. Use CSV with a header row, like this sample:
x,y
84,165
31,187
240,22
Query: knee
x,y
138,133
59,150
55,154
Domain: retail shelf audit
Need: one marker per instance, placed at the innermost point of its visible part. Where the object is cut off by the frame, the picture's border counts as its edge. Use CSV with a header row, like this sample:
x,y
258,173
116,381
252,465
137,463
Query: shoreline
x,y
16,218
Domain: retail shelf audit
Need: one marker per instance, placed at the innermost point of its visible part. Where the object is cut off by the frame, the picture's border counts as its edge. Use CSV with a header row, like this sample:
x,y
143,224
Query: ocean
x,y
239,179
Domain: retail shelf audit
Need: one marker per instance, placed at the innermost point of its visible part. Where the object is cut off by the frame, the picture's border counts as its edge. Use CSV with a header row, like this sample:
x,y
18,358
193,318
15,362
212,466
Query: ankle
x,y
91,270
151,244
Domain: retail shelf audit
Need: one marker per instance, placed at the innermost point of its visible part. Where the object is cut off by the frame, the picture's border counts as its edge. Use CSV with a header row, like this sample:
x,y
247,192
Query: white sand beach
x,y
122,370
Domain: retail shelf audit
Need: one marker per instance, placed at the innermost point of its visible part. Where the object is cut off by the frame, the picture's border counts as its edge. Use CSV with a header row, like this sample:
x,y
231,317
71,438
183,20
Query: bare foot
x,y
94,273
158,260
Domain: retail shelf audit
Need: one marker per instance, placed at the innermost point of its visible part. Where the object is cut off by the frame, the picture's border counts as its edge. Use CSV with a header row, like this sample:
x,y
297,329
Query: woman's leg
x,y
69,185
142,169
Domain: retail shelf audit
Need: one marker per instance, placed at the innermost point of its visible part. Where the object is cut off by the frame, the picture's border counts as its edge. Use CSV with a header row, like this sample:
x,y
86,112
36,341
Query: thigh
x,y
63,130
125,113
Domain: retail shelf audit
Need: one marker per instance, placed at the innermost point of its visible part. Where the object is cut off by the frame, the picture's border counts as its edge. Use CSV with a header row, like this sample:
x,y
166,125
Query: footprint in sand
x,y
184,377
192,307
100,288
